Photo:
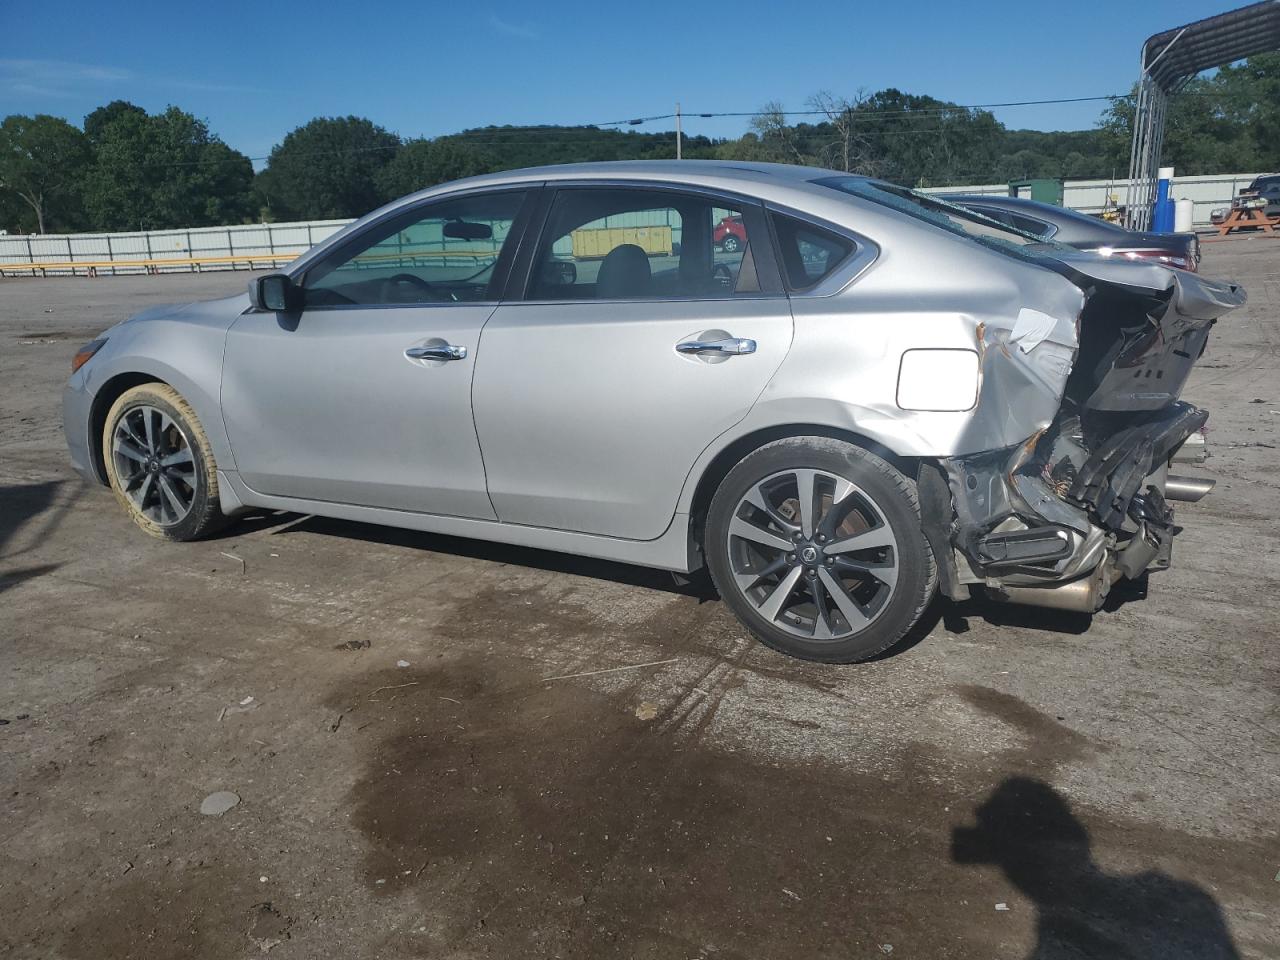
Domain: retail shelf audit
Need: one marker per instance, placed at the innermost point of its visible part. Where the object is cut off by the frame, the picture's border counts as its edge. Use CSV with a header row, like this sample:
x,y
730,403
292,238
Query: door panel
x,y
330,408
589,417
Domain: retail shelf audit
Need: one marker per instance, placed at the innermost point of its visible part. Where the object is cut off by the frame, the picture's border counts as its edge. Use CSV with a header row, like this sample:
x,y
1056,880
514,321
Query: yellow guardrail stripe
x,y
151,262
233,258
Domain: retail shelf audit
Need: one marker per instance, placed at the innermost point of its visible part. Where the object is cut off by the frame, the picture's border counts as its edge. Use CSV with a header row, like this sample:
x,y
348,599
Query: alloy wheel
x,y
153,460
813,554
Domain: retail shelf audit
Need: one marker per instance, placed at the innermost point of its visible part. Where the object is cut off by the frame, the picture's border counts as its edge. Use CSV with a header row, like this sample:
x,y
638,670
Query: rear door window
x,y
647,244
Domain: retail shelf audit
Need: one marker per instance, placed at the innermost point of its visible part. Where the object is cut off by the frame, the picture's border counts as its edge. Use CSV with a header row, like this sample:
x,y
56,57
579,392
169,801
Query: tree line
x,y
126,169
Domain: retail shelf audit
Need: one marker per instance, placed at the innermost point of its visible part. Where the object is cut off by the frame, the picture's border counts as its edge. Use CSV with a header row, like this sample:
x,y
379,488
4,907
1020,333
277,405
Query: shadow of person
x,y
20,504
1029,831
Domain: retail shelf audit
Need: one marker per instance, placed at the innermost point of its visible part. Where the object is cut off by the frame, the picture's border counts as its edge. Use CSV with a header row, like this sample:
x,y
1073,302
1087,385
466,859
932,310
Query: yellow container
x,y
596,243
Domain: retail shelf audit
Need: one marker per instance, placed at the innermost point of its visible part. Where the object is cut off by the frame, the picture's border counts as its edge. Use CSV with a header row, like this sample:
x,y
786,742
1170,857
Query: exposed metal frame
x,y
1169,62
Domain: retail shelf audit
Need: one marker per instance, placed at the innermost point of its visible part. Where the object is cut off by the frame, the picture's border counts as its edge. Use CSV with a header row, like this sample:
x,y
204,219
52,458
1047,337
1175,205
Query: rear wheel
x,y
816,545
159,463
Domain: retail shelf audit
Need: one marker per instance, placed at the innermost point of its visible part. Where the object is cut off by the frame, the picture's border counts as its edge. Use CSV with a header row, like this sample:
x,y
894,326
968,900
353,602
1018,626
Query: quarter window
x,y
809,253
634,244
444,252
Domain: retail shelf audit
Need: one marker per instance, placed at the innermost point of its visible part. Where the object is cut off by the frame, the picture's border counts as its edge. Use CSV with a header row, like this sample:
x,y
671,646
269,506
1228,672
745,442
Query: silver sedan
x,y
868,397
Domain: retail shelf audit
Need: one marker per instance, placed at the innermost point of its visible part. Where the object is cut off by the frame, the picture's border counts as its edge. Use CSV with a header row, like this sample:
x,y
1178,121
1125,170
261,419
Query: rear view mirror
x,y
462,230
275,293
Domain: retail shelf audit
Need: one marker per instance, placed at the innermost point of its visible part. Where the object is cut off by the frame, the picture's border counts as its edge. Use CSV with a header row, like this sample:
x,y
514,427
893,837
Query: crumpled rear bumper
x,y
1058,519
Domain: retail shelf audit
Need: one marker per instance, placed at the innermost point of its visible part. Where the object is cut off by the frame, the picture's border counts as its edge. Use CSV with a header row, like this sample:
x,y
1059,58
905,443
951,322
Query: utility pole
x,y
678,150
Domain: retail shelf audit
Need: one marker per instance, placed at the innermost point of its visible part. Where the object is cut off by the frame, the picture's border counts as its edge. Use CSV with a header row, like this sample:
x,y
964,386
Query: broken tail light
x,y
1158,256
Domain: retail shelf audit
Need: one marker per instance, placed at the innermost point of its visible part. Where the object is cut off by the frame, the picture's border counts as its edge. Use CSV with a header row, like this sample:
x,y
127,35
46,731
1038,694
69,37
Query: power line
x,y
826,113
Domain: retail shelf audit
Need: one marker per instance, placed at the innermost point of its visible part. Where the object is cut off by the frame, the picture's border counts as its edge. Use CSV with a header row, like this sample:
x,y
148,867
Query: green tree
x,y
424,163
328,169
41,161
1229,121
163,170
96,123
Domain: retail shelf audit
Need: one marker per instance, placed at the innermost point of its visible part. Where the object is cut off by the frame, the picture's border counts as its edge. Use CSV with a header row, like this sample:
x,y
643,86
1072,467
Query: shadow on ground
x,y
699,585
520,811
20,506
954,616
21,503
496,812
1027,830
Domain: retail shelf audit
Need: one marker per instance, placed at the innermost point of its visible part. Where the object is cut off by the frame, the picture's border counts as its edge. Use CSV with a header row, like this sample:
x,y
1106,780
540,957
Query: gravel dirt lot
x,y
1007,784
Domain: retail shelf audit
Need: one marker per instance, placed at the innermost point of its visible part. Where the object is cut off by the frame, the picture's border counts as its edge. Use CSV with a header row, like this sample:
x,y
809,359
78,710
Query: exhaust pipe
x,y
1186,489
1084,595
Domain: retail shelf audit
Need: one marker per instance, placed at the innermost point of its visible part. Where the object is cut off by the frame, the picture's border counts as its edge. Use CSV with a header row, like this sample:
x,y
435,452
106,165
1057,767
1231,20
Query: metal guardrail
x,y
198,248
150,265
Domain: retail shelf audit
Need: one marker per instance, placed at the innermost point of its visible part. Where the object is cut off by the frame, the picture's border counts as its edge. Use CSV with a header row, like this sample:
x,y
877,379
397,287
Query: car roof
x,y
665,169
760,179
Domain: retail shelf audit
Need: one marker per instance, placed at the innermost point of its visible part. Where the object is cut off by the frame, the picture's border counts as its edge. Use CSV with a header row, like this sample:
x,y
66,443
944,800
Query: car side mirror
x,y
559,273
275,293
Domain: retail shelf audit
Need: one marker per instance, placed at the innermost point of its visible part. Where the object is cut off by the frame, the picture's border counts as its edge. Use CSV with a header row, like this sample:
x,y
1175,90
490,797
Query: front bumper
x,y
1057,520
77,418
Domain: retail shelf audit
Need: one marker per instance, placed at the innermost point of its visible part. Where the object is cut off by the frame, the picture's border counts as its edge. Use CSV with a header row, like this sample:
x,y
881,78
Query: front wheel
x,y
159,463
817,547
730,244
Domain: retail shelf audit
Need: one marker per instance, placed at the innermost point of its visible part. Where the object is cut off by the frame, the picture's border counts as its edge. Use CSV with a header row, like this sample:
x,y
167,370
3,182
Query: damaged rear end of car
x,y
1056,520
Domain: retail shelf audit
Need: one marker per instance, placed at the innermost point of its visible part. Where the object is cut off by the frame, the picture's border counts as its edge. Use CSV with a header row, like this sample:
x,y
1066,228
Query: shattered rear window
x,y
940,213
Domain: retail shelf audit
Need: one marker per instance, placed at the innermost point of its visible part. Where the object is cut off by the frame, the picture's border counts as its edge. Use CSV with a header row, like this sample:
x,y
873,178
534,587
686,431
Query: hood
x,y
217,313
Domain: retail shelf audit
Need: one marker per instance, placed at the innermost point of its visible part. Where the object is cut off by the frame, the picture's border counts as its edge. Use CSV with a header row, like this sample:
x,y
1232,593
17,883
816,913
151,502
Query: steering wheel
x,y
412,279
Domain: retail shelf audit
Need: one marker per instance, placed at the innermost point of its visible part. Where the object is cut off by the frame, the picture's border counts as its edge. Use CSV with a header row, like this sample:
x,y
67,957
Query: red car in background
x,y
730,235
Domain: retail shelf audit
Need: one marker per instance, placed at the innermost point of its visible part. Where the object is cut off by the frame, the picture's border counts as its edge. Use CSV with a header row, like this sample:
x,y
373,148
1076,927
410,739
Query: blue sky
x,y
257,70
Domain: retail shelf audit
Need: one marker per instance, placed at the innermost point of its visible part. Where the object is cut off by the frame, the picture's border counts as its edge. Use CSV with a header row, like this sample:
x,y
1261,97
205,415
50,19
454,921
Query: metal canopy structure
x,y
1169,61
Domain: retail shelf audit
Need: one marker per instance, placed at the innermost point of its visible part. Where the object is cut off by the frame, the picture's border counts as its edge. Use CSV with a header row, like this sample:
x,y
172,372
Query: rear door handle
x,y
446,351
732,347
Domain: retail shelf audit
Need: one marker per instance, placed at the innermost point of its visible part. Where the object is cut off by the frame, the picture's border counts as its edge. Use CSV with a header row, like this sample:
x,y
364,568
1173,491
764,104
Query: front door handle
x,y
445,351
730,347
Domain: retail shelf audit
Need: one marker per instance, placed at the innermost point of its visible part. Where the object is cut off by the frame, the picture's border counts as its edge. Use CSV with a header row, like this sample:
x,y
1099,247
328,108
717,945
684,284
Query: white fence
x,y
118,249
112,252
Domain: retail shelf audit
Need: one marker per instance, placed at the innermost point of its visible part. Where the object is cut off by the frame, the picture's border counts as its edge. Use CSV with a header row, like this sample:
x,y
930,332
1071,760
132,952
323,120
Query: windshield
x,y
922,206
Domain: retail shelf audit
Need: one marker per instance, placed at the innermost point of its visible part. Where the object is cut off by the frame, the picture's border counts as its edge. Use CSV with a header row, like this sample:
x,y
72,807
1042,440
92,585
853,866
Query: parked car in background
x,y
1267,189
879,396
1079,230
730,234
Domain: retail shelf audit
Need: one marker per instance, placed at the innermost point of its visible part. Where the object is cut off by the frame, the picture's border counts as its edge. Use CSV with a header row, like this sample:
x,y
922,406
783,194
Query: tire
x,y
730,244
858,498
154,471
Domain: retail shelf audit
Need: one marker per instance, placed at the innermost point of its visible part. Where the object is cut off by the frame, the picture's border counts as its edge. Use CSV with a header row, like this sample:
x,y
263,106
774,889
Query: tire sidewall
x,y
893,495
154,395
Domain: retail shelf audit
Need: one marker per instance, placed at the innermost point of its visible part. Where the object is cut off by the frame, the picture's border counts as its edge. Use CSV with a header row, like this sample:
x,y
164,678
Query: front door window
x,y
446,252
